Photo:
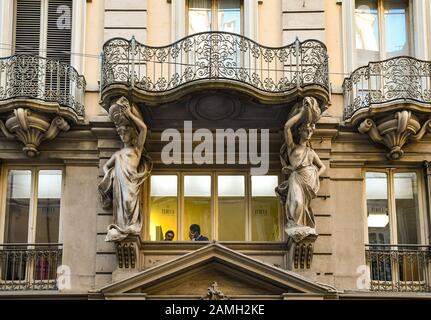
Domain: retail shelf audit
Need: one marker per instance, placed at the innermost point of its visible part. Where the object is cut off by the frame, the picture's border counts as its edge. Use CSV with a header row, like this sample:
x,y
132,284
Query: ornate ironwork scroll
x,y
34,77
399,268
403,79
214,56
29,266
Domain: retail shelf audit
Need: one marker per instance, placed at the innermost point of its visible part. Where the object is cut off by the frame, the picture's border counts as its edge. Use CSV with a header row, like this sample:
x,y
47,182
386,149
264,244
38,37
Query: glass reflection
x,y
229,16
377,208
199,16
396,28
367,32
48,206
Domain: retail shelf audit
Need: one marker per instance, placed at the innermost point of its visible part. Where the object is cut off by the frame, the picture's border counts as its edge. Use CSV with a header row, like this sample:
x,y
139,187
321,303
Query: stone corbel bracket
x,y
395,130
32,128
301,252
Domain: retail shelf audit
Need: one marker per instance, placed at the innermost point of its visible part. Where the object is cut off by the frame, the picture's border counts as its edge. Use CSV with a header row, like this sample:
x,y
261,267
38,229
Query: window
x,y
32,199
164,206
394,226
215,15
197,204
31,224
264,208
393,208
231,207
227,207
382,30
44,27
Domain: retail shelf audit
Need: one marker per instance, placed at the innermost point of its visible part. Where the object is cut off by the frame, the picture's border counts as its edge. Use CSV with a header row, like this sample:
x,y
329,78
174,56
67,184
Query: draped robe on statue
x,y
301,187
121,187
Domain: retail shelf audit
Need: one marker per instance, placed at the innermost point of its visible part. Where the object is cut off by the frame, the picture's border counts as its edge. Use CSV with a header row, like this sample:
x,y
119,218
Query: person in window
x,y
195,233
169,235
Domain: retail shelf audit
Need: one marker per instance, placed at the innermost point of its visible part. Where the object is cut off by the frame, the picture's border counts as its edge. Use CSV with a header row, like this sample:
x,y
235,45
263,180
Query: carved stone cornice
x,y
32,128
395,129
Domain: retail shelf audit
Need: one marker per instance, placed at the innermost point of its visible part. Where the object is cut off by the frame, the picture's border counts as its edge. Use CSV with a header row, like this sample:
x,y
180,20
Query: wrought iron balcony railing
x,y
29,266
399,268
33,77
218,57
396,80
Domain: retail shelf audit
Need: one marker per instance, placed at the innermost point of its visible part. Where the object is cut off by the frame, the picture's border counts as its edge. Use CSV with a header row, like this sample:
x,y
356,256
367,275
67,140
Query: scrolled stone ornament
x,y
303,168
125,172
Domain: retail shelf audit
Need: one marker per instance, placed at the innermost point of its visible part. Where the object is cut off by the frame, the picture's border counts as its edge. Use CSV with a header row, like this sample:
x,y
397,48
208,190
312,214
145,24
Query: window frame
x,y
214,16
32,221
418,33
214,202
382,33
393,227
79,15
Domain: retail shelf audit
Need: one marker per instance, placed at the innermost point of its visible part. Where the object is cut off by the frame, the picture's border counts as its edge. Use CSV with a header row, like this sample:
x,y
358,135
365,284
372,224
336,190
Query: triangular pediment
x,y
236,274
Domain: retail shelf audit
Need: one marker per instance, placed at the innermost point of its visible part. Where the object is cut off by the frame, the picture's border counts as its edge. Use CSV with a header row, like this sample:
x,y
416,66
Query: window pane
x,y
164,206
377,208
17,206
231,208
197,204
396,28
199,16
229,16
407,208
264,214
48,206
366,32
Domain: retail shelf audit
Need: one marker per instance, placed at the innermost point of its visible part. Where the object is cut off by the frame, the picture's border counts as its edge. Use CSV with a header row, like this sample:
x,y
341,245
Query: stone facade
x,y
137,268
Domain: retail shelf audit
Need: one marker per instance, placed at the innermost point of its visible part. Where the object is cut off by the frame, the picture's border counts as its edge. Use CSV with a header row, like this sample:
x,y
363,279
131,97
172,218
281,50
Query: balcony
x,y
390,101
214,60
55,85
29,266
379,86
399,268
39,98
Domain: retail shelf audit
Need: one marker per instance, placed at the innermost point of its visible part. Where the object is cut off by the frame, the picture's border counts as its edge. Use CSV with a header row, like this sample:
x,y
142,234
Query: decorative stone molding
x,y
395,130
32,128
303,252
214,293
126,255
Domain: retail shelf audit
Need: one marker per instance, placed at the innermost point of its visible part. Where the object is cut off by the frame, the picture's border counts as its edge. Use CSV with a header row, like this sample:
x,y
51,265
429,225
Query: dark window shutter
x,y
59,37
59,45
27,33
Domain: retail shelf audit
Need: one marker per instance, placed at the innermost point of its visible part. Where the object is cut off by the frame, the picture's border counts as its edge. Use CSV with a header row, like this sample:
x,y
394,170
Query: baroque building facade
x,y
215,149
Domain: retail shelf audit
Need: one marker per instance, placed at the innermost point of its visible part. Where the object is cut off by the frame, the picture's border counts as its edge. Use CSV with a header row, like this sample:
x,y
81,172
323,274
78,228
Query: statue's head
x,y
126,134
125,128
306,130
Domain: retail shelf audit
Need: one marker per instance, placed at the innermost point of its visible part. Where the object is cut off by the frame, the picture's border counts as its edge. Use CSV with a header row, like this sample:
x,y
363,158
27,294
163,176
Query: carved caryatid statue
x,y
303,167
125,172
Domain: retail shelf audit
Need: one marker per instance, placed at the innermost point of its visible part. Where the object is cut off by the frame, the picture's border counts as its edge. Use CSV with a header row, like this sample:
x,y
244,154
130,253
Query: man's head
x,y
169,235
195,231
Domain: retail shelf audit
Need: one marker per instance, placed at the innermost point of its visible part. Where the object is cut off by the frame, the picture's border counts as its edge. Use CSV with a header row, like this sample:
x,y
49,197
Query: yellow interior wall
x,y
264,219
164,213
231,218
197,210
